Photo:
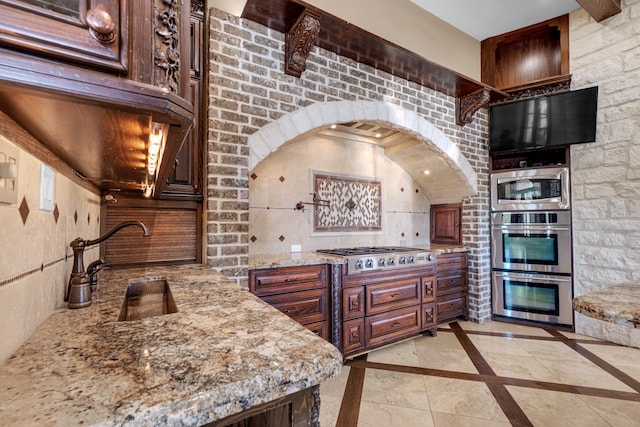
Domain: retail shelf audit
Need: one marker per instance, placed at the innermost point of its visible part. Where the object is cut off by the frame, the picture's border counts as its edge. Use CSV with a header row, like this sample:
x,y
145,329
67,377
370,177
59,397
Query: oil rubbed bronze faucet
x,y
81,282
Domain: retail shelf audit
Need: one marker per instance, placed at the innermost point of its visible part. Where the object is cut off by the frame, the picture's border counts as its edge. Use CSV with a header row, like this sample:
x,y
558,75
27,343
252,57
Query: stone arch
x,y
323,114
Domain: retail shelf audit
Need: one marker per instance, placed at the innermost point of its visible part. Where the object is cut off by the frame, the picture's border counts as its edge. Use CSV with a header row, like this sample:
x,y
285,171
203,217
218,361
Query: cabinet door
x,y
429,315
428,288
88,32
445,224
186,175
354,337
353,303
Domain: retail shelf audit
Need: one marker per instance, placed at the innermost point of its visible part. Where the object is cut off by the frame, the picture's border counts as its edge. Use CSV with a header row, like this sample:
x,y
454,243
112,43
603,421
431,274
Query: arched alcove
x,y
418,144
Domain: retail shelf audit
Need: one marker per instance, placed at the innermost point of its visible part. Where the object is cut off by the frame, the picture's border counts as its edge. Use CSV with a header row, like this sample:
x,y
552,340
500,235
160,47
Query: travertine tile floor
x,y
492,374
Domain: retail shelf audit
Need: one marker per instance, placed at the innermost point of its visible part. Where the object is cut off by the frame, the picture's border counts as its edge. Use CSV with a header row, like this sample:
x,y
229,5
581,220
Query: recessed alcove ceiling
x,y
440,185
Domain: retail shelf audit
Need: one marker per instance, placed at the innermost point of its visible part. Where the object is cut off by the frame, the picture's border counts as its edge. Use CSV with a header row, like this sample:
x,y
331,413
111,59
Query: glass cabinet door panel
x,y
65,7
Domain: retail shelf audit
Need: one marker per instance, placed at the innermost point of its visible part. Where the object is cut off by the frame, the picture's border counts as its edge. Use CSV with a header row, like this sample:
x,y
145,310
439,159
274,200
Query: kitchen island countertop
x,y
225,351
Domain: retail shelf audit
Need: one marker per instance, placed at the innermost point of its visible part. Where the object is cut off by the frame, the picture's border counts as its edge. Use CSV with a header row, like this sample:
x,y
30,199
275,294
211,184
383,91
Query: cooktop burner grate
x,y
368,250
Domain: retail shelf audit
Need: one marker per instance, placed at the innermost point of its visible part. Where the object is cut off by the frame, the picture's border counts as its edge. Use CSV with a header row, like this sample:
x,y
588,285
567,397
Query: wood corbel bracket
x,y
467,105
298,42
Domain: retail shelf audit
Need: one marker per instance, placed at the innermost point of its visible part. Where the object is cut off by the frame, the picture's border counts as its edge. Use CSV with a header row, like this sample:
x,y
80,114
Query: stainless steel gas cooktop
x,y
377,258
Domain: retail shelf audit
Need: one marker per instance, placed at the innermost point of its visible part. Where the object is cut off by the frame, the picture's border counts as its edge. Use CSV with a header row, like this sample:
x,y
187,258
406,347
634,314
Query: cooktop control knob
x,y
411,259
391,261
430,257
369,263
381,262
358,264
402,260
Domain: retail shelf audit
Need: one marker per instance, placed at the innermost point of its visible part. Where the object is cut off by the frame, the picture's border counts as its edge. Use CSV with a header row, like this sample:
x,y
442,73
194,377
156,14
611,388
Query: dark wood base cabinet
x,y
382,307
301,409
300,292
451,287
369,309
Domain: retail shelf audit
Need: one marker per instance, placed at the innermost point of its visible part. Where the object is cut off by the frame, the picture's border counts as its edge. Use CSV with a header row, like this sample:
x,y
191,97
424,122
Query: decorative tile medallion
x,y
355,203
24,210
56,213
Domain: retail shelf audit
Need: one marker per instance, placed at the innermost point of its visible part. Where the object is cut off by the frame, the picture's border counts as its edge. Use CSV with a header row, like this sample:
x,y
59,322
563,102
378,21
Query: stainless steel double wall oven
x,y
531,250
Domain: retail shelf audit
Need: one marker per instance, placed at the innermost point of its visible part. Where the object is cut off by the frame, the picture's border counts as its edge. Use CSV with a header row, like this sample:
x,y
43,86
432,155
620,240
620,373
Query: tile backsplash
x,y
36,259
360,172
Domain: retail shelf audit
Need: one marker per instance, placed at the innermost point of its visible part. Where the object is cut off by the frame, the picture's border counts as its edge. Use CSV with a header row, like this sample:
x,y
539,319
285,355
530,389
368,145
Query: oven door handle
x,y
532,277
508,228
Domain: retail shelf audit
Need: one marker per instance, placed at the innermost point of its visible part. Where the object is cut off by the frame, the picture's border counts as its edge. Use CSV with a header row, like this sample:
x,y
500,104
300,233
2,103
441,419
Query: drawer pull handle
x,y
287,279
395,324
396,294
287,310
451,282
452,260
451,305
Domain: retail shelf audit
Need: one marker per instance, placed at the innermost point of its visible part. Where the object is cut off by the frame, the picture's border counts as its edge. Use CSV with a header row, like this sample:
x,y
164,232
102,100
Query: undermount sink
x,y
147,297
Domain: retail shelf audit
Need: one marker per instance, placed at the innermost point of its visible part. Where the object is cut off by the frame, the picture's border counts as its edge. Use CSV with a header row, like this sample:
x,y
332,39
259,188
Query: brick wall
x,y
248,89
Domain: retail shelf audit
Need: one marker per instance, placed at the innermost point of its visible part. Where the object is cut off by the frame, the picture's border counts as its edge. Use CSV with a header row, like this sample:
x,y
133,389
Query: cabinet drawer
x,y
305,307
353,332
455,261
321,329
353,303
450,308
394,324
287,279
449,282
388,296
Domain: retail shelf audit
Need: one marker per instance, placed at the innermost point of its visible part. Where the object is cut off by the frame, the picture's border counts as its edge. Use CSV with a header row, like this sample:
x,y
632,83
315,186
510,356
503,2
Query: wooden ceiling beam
x,y
601,9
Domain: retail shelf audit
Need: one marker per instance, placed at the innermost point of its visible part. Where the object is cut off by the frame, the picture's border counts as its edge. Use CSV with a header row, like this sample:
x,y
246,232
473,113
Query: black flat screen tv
x,y
545,121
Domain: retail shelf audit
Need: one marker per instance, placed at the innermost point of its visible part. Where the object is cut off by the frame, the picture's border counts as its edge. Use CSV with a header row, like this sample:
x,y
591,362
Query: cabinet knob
x,y
101,25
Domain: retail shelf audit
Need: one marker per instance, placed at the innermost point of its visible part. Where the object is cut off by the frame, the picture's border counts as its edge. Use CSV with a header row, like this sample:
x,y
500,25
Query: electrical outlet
x,y
47,187
296,248
8,172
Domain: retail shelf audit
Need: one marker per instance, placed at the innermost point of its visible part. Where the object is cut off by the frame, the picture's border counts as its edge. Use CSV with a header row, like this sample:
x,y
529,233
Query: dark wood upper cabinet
x,y
445,224
89,32
528,57
92,79
185,179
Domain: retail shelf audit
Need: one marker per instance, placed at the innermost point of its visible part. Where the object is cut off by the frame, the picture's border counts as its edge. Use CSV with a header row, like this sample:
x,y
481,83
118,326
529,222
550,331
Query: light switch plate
x,y
47,187
9,159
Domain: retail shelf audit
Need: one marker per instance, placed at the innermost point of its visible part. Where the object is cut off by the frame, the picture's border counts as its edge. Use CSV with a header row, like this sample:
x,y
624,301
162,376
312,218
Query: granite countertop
x,y
293,259
618,304
223,352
